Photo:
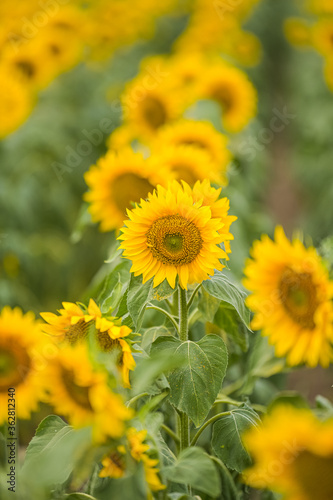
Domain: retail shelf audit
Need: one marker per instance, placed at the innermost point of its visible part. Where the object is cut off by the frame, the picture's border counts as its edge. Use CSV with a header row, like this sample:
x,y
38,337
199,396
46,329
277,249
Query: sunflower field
x,y
166,250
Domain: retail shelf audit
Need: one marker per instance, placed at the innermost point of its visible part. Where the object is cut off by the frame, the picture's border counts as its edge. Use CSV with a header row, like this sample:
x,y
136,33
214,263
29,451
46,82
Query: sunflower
x,y
201,135
114,464
78,391
110,338
72,325
291,298
189,163
322,37
233,91
320,6
147,106
219,208
293,455
116,182
21,353
16,103
172,235
297,32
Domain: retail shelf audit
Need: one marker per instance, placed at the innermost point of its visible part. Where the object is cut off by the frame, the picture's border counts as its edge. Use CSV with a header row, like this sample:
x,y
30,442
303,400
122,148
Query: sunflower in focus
x,y
79,392
171,235
114,462
117,181
235,94
291,299
201,135
72,324
21,352
16,103
293,455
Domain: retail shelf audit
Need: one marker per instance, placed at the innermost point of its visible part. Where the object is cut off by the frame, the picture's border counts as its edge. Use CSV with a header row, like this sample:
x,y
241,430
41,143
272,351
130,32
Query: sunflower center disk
x,y
154,112
80,394
224,97
128,188
174,240
77,332
298,297
14,366
314,475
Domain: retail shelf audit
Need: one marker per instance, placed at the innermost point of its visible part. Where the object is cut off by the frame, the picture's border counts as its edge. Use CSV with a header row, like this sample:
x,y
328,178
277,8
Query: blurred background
x,y
50,251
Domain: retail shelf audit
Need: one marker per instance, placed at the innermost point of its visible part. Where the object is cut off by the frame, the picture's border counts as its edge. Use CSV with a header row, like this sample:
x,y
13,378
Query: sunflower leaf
x,y
195,468
195,384
220,287
227,441
138,296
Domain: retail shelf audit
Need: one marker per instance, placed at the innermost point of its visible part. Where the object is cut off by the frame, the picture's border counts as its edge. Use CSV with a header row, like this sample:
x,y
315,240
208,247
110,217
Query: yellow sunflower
x,y
297,32
172,235
291,298
21,352
293,455
114,464
201,135
149,104
219,208
322,37
79,392
233,91
188,163
320,6
117,181
16,103
72,325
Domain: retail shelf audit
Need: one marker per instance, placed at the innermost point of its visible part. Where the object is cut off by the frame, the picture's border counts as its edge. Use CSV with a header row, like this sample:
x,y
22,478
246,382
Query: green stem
x,y
171,433
163,311
183,335
135,398
206,424
193,295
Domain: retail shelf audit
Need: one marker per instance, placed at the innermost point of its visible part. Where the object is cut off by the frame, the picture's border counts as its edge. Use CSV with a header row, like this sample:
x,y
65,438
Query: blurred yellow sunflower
x,y
322,37
72,324
117,181
320,6
114,463
201,135
21,356
233,91
189,164
148,105
293,455
297,32
291,298
79,392
172,235
16,103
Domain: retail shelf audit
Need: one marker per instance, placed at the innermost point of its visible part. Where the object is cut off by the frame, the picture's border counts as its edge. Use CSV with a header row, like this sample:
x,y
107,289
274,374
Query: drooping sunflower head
x,y
200,135
116,182
22,345
171,235
293,454
235,94
291,298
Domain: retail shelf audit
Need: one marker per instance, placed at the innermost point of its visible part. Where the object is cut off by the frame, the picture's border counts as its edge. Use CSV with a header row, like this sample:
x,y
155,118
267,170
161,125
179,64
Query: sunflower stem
x,y
183,335
163,311
206,424
193,295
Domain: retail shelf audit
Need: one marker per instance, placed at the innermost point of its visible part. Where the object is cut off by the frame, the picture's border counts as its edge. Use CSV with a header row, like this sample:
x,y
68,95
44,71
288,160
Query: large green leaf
x,y
195,384
228,320
227,437
220,287
208,305
138,296
163,291
53,451
195,468
151,334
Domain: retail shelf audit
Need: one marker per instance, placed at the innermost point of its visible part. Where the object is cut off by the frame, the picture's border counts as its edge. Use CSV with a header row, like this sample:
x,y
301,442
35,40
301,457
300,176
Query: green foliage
x,y
194,468
194,386
220,287
227,442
